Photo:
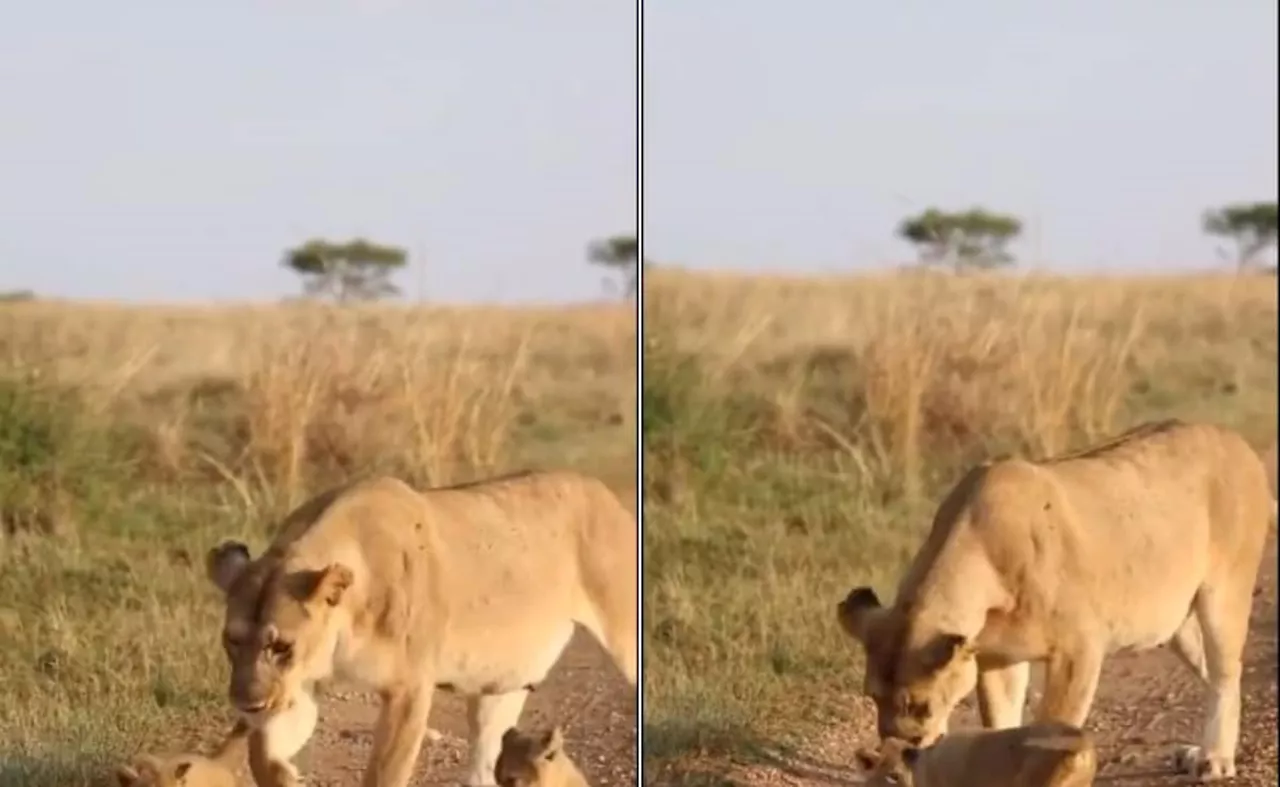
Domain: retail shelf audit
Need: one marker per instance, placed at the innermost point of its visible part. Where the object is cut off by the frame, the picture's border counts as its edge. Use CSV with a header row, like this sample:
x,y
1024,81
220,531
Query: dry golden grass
x,y
133,438
798,432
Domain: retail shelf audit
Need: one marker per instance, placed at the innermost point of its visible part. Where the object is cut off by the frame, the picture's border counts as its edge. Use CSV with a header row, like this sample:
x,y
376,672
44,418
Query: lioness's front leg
x,y
1070,681
397,737
273,746
1002,693
488,717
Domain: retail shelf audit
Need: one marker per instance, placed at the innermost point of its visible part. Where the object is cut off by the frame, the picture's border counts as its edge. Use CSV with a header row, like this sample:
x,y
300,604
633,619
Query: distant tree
x,y
974,238
355,270
1251,226
620,253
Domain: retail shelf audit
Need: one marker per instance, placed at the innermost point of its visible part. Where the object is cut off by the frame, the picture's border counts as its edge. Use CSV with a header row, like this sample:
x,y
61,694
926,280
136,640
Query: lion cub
x,y
1049,754
183,770
536,761
187,770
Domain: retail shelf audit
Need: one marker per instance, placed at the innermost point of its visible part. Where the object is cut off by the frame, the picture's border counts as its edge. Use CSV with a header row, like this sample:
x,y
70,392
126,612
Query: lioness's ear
x,y
331,583
552,743
225,563
945,649
858,611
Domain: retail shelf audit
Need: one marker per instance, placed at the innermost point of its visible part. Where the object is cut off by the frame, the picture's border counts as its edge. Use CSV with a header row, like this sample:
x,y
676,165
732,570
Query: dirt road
x,y
1147,704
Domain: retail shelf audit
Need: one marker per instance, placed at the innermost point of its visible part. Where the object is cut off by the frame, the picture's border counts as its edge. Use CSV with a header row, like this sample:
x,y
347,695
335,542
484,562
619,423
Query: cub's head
x,y
535,761
188,770
915,678
893,766
281,626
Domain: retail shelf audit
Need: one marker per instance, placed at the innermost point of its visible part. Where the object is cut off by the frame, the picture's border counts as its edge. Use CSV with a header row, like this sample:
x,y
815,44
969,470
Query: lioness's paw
x,y
1207,767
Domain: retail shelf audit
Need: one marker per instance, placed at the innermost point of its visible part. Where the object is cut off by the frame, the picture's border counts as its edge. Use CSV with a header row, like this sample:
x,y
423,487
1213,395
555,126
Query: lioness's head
x,y
892,766
189,770
535,761
281,626
915,678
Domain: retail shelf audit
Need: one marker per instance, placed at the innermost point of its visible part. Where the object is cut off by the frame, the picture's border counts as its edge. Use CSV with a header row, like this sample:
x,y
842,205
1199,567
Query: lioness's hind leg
x,y
1223,615
1188,646
1002,693
488,717
611,618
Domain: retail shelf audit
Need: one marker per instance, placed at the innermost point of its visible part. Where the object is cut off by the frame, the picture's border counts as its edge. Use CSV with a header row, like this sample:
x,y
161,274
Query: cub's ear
x,y
144,765
858,612
329,584
944,649
867,758
225,563
552,743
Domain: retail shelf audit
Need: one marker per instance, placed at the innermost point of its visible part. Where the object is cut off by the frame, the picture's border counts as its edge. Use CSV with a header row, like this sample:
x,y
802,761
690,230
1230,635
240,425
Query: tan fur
x,y
1038,755
536,761
1154,537
186,770
473,589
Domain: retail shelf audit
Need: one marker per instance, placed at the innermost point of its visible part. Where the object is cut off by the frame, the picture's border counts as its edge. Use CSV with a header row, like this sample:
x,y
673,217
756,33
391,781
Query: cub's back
x,y
1039,755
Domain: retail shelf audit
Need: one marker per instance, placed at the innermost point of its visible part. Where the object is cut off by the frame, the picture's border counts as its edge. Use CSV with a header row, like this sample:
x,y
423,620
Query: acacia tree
x,y
355,270
1251,226
619,253
974,238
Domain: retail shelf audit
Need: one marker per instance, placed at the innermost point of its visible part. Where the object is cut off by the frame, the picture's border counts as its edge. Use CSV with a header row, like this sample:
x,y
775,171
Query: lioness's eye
x,y
281,650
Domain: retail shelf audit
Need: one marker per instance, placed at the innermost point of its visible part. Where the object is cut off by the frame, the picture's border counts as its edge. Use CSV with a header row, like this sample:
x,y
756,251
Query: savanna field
x,y
797,435
132,439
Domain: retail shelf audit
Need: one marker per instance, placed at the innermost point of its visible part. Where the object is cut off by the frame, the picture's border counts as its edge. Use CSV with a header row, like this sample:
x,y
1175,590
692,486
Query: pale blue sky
x,y
157,150
795,135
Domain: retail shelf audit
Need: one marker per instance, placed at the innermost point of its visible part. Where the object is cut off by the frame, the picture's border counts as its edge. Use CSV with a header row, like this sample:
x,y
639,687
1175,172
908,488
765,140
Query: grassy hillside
x,y
798,433
133,439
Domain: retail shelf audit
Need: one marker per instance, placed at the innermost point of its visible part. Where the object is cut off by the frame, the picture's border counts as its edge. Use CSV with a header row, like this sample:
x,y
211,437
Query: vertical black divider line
x,y
639,307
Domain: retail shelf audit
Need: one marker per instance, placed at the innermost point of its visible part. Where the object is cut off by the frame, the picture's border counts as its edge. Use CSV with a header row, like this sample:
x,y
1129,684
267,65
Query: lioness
x,y
1039,755
1154,537
536,761
185,770
473,589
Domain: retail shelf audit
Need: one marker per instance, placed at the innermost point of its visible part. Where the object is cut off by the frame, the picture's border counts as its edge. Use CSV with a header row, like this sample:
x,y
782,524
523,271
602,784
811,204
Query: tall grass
x,y
799,432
